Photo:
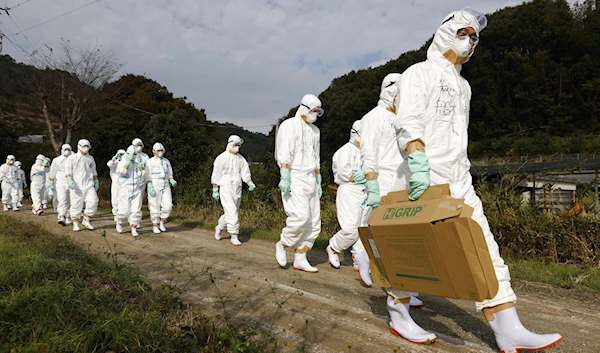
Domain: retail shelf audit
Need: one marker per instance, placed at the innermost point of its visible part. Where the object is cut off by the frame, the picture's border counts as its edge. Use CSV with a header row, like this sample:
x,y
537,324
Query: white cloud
x,y
245,61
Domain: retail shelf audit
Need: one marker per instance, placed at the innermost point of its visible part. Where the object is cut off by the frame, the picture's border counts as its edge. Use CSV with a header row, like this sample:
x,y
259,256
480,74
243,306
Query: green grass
x,y
560,275
57,297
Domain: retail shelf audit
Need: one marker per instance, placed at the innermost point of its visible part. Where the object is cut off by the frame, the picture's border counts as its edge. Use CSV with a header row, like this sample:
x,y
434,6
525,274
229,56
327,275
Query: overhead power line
x,y
19,4
59,16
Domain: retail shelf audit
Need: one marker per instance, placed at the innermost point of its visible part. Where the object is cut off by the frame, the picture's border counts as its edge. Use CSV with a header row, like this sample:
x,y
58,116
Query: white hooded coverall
x,y
229,171
57,173
21,183
160,171
298,145
83,170
37,175
114,183
351,198
10,189
433,106
132,183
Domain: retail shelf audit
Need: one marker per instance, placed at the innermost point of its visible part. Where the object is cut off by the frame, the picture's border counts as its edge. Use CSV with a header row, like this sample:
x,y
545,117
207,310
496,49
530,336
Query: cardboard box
x,y
429,246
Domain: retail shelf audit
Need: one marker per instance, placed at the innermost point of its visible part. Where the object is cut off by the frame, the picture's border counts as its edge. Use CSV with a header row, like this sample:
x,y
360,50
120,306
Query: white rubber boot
x,y
44,206
415,302
5,207
19,204
116,219
62,221
76,226
404,326
68,221
334,258
364,267
302,264
218,231
512,336
86,223
119,227
15,207
155,229
33,211
234,240
134,231
280,254
161,226
40,212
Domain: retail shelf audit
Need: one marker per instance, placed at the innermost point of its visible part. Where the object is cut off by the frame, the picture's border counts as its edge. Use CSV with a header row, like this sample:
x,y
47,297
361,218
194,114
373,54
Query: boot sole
x,y
299,269
235,244
395,333
520,349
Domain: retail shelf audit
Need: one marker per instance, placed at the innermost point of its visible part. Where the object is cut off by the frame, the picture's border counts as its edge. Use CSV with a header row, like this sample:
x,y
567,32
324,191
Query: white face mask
x,y
311,117
84,149
66,153
235,149
159,154
138,149
462,46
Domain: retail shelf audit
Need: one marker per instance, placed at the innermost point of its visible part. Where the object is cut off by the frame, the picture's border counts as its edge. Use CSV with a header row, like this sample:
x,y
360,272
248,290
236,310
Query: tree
x,y
71,86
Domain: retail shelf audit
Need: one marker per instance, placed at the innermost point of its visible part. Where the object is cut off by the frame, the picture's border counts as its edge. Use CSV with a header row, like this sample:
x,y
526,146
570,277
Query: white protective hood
x,y
388,90
445,34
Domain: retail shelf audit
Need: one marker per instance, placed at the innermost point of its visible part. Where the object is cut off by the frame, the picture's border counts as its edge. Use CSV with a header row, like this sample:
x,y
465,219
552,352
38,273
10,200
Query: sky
x,y
246,62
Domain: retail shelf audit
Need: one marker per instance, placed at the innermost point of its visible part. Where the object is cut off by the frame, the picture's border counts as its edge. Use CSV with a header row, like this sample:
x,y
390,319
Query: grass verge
x,y
57,297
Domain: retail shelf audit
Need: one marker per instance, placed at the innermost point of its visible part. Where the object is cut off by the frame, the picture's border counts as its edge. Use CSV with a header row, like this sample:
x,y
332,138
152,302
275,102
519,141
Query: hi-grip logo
x,y
402,212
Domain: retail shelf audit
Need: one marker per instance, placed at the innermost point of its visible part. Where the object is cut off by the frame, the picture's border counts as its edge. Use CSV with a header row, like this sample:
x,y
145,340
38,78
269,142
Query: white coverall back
x,y
21,183
37,175
229,171
114,185
351,198
160,171
433,106
10,188
83,170
132,183
57,173
298,144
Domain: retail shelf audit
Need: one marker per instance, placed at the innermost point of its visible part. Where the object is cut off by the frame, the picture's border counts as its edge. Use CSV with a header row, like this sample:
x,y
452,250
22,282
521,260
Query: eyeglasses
x,y
465,32
317,110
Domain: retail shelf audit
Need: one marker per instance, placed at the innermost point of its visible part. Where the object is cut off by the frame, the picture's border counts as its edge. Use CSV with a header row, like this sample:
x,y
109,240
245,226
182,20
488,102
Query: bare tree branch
x,y
71,85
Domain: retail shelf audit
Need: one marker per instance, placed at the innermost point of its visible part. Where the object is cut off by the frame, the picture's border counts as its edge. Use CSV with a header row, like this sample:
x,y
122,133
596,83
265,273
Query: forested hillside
x,y
535,79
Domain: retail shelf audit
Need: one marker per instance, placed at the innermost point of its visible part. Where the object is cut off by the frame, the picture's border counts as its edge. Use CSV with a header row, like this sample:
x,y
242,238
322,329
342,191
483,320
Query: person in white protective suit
x,y
381,160
161,174
114,180
298,156
21,182
432,121
230,169
37,175
59,186
47,193
132,182
82,179
9,175
351,197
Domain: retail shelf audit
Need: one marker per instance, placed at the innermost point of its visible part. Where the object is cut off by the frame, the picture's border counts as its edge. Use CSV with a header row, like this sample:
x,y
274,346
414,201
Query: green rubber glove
x,y
129,159
374,196
46,162
52,186
420,180
151,190
286,181
71,182
96,184
25,184
172,182
319,186
5,179
359,177
251,186
215,194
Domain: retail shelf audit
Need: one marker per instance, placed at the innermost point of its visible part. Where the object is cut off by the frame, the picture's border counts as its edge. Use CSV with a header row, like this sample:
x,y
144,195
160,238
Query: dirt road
x,y
333,309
